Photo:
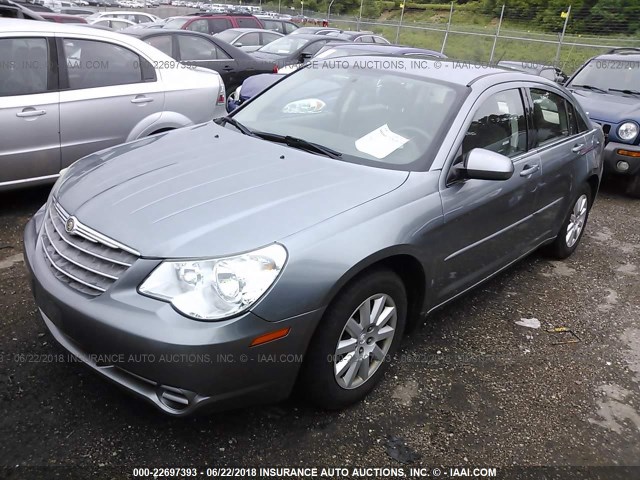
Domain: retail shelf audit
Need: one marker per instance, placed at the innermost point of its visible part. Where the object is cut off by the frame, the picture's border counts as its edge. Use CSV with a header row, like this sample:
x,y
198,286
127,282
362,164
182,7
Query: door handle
x,y
529,170
227,68
141,99
577,148
30,113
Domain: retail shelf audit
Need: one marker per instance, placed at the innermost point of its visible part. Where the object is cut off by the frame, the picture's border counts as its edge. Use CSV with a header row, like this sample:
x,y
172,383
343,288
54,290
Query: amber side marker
x,y
628,153
270,337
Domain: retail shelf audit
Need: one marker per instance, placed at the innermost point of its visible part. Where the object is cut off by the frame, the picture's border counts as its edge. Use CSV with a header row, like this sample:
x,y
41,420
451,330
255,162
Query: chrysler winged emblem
x,y
70,226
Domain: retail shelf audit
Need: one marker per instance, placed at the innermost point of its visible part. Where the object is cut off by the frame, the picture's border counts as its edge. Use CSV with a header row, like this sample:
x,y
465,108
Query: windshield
x,y
372,117
176,23
284,46
609,74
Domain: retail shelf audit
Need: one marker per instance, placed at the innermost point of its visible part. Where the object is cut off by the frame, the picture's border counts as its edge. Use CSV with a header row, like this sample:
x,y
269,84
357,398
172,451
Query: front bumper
x,y
612,159
144,345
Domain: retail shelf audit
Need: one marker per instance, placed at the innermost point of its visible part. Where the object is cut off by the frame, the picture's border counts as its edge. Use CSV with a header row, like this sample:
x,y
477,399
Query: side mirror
x,y
484,164
239,44
304,56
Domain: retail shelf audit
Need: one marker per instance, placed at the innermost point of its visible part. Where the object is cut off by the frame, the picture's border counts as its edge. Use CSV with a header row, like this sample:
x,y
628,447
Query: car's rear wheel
x,y
359,331
633,187
573,227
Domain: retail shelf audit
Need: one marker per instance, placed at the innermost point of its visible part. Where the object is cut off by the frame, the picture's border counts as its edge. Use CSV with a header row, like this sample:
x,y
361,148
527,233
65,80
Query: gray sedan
x,y
294,243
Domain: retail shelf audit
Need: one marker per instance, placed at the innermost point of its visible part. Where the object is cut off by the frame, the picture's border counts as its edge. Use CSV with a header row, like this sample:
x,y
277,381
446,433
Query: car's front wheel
x,y
573,227
359,331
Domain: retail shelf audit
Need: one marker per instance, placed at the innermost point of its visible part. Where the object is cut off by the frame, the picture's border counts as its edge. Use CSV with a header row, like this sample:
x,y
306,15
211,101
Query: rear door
x,y
202,52
29,109
110,92
487,223
561,143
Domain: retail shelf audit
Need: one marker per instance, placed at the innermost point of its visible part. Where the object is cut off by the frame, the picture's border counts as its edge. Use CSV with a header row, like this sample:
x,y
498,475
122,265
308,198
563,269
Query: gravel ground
x,y
472,387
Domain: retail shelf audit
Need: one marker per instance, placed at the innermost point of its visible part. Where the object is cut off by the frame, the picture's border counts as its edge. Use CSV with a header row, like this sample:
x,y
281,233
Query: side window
x,y
268,37
498,125
217,25
93,64
163,43
549,115
195,49
23,62
314,47
200,25
380,40
272,25
576,123
247,22
288,28
141,19
248,39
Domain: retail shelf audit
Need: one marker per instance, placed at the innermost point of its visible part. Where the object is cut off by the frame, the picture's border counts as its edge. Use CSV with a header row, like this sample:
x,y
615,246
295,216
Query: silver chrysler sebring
x,y
293,243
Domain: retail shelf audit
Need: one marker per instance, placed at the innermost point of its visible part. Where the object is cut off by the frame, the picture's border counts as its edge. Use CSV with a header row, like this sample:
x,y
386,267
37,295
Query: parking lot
x,y
471,386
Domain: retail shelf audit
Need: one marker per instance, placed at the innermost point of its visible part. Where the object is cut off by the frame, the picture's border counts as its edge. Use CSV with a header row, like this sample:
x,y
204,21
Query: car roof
x,y
445,70
11,25
621,54
383,48
245,30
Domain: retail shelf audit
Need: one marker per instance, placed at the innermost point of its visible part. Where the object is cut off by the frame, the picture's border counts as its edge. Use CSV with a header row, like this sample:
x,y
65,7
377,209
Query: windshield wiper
x,y
590,87
300,143
224,120
625,90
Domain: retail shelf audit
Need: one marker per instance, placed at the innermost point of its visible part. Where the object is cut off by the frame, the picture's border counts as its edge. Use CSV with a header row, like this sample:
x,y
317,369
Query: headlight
x,y
628,131
212,289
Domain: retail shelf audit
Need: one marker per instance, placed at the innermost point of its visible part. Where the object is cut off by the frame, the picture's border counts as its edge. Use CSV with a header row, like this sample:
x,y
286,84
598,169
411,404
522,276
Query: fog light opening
x,y
622,166
173,398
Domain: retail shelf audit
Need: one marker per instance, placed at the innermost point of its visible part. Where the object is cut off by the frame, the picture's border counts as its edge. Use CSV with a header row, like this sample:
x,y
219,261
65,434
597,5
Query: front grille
x,y
85,260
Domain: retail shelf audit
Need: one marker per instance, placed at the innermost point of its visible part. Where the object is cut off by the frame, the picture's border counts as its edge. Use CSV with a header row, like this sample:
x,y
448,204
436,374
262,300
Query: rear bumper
x,y
612,159
178,364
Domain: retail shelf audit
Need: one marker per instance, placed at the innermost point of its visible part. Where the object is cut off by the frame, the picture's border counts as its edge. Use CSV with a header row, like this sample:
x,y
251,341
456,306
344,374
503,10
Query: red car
x,y
61,18
212,23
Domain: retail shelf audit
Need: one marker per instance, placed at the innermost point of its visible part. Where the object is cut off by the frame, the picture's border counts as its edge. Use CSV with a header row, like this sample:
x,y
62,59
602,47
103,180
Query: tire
x,y
325,379
633,187
564,244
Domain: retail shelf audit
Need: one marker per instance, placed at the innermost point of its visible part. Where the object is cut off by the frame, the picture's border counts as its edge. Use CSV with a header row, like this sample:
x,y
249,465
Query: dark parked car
x,y
341,49
9,9
550,72
293,49
294,242
212,23
202,50
608,87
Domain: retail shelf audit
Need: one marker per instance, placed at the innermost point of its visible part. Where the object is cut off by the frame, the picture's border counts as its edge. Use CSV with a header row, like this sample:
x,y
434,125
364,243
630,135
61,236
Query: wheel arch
x,y
404,263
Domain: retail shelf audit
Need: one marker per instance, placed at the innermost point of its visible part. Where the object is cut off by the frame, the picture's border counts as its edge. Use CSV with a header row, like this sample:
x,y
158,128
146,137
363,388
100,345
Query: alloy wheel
x,y
577,220
365,341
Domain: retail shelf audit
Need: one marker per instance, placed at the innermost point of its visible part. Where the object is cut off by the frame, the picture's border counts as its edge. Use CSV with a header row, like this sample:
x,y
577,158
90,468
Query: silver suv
x,y
68,91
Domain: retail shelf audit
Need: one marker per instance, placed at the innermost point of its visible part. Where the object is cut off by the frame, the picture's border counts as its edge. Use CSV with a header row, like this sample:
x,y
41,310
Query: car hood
x,y
609,108
207,191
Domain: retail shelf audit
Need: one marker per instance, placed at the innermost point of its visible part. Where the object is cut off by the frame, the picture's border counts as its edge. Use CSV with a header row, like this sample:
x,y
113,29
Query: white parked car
x,y
114,23
133,16
114,89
